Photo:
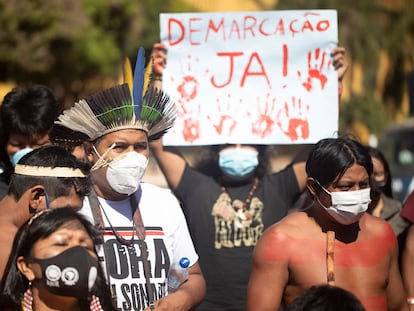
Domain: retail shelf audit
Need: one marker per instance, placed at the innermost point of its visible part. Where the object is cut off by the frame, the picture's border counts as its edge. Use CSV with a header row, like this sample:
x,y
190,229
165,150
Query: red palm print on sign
x,y
263,122
316,66
187,108
226,122
292,119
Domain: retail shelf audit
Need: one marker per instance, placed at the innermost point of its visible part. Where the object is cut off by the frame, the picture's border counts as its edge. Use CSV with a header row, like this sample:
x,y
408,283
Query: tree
x,y
74,46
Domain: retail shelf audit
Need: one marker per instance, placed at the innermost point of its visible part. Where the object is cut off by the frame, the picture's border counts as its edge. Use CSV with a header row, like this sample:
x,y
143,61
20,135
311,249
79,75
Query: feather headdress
x,y
132,105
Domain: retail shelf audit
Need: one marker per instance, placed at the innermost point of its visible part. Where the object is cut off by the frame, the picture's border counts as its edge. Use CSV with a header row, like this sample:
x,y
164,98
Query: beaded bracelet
x,y
410,300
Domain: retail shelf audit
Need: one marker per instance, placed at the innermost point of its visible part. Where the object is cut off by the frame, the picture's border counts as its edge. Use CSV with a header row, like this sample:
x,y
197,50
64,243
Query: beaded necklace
x,y
246,202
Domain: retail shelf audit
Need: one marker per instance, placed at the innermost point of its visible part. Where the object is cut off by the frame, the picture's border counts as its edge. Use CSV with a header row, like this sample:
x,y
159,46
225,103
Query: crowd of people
x,y
82,231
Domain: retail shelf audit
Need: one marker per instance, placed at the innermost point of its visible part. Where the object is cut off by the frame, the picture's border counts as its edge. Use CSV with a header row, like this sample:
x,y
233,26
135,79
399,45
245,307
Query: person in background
x,y
145,229
326,298
229,200
383,204
69,139
45,178
333,242
26,116
54,266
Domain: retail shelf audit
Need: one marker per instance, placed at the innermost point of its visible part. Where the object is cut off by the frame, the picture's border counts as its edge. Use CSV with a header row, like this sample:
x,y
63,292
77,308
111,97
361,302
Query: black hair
x,y
326,298
29,111
207,162
376,153
331,157
26,112
51,156
14,284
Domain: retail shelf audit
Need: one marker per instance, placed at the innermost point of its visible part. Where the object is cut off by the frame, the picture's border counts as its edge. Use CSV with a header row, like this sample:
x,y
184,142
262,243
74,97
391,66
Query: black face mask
x,y
71,273
377,188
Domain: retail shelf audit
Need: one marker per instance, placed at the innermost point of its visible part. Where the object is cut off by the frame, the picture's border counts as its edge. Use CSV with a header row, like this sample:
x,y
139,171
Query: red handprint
x,y
191,130
188,88
315,70
226,122
263,124
191,124
293,119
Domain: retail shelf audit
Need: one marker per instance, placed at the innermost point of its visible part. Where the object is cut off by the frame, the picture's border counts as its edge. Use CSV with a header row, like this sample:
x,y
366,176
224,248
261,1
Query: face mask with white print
x,y
71,273
347,206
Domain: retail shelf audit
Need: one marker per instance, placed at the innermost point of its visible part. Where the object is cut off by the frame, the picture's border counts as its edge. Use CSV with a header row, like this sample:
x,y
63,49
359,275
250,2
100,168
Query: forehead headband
x,y
43,171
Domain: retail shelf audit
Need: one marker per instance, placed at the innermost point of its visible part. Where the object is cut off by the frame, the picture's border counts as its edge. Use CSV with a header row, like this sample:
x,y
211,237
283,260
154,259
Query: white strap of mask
x,y
101,161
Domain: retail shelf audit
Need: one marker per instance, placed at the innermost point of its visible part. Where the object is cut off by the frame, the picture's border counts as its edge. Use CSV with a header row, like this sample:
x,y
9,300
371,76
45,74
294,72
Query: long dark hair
x,y
14,284
331,157
376,153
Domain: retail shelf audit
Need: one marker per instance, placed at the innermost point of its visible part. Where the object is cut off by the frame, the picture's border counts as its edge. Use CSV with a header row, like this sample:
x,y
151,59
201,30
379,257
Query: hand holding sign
x,y
232,58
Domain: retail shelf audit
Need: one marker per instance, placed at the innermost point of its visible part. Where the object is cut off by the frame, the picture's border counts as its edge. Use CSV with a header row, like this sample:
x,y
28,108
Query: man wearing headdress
x,y
145,231
47,177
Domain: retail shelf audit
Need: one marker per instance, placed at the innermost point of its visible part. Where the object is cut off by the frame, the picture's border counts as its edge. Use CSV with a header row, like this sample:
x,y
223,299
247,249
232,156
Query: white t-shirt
x,y
167,238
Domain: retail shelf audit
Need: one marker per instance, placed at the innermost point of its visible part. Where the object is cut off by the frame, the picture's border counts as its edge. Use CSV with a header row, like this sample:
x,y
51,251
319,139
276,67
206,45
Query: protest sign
x,y
251,77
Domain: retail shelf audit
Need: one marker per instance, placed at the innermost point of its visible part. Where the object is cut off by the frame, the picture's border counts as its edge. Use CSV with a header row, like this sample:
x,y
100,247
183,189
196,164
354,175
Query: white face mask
x,y
348,206
125,172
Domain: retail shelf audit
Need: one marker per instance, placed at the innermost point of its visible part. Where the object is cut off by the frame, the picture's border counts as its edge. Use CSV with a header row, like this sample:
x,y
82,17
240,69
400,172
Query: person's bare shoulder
x,y
375,225
376,228
296,225
284,240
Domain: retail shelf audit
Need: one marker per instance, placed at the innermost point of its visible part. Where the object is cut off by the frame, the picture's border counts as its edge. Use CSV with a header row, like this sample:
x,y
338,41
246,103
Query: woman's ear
x,y
25,269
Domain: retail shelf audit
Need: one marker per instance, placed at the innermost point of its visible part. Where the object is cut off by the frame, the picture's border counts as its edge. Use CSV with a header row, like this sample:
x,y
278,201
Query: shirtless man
x,y
46,177
333,241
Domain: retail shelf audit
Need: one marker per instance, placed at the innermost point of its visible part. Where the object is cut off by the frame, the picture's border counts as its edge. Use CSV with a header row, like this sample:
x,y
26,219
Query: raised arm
x,y
171,163
341,65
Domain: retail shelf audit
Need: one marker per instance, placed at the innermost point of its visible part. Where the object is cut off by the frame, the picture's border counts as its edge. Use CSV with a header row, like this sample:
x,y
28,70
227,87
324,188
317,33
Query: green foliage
x,y
74,46
365,110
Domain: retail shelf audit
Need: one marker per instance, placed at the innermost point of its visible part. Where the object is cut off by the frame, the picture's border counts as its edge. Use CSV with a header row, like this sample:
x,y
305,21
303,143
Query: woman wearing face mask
x,y
383,204
53,266
334,241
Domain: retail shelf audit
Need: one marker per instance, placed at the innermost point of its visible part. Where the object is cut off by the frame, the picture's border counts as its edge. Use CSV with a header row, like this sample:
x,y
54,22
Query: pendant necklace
x,y
246,203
